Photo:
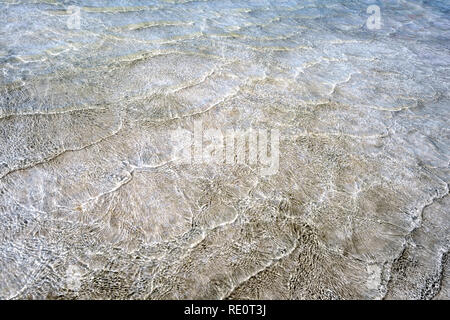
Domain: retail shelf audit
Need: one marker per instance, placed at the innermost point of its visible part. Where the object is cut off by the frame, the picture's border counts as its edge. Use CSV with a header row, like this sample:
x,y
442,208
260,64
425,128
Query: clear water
x,y
86,110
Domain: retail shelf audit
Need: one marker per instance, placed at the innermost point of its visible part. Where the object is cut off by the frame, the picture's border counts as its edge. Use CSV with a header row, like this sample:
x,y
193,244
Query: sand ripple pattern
x,y
92,204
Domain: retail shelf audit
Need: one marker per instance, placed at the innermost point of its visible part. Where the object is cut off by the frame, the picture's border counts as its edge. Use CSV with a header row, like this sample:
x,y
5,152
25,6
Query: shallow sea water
x,y
92,204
